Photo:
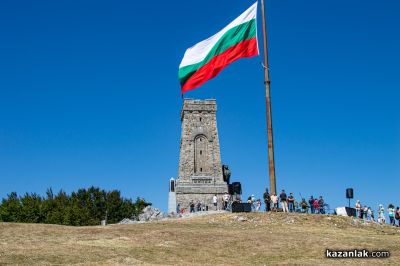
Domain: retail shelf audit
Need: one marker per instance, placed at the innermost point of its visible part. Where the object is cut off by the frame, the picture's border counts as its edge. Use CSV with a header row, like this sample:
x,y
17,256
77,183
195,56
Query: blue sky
x,y
89,95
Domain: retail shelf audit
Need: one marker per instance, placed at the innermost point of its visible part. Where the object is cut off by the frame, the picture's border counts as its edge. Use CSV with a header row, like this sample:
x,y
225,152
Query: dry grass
x,y
263,239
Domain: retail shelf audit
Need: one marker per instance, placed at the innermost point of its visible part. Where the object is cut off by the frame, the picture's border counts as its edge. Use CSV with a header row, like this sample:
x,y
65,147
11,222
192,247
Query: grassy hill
x,y
220,239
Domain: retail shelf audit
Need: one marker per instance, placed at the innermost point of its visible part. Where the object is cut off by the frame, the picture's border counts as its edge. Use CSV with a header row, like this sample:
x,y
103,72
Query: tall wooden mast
x,y
271,161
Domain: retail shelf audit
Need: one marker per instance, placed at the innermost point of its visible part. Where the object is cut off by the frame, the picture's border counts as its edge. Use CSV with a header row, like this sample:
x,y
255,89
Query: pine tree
x,y
10,209
84,207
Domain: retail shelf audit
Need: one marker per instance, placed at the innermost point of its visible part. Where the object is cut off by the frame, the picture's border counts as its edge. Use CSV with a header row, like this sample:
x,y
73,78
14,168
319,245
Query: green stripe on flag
x,y
233,36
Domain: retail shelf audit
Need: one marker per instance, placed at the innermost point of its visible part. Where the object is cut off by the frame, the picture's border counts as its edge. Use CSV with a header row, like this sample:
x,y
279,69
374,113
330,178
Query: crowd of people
x,y
288,203
367,213
193,207
272,203
223,203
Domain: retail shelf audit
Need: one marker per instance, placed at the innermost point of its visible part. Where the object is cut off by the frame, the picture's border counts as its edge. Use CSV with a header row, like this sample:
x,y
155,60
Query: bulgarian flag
x,y
207,58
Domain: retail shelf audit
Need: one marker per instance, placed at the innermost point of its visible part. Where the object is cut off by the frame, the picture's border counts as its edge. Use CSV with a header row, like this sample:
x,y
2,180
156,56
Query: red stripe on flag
x,y
247,48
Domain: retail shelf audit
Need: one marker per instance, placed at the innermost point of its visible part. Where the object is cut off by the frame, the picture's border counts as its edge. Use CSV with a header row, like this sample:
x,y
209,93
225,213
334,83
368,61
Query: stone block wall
x,y
200,169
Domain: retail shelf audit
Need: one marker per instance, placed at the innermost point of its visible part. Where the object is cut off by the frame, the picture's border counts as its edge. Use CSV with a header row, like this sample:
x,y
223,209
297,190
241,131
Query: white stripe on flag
x,y
198,52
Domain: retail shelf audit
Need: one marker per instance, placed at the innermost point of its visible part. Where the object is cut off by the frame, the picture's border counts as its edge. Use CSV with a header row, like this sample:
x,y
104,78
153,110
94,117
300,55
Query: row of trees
x,y
84,207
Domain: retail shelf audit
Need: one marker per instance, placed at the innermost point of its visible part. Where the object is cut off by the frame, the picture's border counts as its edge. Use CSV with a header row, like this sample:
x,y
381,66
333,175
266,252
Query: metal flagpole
x,y
271,161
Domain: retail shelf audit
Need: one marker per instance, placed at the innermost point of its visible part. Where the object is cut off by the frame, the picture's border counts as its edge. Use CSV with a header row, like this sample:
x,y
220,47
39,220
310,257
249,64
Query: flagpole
x,y
271,161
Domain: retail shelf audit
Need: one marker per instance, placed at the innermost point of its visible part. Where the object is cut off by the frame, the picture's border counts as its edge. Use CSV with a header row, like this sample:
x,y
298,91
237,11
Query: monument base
x,y
200,193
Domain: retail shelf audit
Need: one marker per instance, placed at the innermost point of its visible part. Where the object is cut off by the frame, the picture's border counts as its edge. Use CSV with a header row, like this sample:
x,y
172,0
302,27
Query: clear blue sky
x,y
89,95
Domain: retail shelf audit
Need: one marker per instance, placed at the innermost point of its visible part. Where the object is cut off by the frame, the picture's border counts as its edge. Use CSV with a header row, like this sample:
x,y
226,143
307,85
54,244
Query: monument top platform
x,y
192,105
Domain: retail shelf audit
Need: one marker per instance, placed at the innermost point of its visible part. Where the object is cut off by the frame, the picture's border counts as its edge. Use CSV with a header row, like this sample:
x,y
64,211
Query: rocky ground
x,y
150,214
215,239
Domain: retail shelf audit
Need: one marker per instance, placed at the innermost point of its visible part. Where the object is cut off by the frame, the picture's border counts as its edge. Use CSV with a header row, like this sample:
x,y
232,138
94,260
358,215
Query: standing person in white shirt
x,y
258,205
274,199
390,210
215,202
358,208
253,202
381,214
226,200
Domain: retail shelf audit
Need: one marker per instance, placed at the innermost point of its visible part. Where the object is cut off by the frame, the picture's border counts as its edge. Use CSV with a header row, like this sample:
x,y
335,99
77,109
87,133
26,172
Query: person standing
x,y
397,216
365,212
250,202
391,214
316,206
267,200
274,200
358,208
361,215
198,206
258,205
321,203
290,201
253,202
381,214
303,205
191,206
226,200
215,202
311,202
369,214
283,200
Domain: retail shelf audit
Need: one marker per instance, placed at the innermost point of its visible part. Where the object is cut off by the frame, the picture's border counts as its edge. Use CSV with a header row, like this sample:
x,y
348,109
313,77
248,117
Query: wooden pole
x,y
271,161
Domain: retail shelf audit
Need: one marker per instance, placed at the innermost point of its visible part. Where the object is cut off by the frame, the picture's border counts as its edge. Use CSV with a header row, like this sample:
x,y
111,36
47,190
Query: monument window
x,y
200,154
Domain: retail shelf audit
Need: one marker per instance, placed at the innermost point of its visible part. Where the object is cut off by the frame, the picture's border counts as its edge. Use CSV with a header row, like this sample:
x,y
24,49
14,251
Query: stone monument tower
x,y
200,170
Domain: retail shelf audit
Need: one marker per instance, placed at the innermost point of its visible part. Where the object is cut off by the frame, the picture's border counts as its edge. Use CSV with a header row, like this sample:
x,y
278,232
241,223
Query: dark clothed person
x,y
290,201
311,202
192,207
283,199
321,205
304,206
267,201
